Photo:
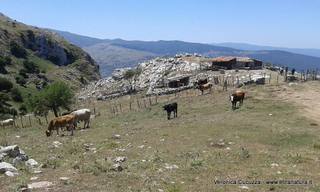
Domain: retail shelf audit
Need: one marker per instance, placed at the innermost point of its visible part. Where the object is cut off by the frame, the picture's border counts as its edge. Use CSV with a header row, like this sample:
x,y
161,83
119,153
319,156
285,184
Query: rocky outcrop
x,y
154,77
18,156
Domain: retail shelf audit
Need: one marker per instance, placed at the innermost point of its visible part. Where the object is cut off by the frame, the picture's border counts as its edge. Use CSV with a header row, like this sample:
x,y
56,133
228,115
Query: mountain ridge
x,y
144,50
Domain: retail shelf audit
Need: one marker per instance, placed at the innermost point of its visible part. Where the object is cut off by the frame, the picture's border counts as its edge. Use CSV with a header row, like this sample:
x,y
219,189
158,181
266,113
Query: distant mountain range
x,y
117,53
252,47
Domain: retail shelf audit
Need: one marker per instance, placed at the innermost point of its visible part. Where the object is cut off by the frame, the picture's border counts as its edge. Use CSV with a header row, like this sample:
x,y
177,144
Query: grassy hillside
x,y
208,141
31,58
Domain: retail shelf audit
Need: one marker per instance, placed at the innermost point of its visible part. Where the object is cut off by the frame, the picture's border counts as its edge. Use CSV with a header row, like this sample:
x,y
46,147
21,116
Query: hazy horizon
x,y
290,24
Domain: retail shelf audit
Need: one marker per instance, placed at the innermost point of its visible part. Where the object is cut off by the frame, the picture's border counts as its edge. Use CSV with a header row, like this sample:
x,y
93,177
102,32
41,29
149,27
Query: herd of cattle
x,y
68,121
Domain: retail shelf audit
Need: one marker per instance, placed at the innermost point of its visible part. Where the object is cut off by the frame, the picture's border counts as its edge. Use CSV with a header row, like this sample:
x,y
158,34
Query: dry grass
x,y
257,140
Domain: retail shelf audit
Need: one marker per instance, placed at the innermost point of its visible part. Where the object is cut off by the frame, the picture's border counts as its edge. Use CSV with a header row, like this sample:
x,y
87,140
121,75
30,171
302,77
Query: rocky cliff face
x,y
46,46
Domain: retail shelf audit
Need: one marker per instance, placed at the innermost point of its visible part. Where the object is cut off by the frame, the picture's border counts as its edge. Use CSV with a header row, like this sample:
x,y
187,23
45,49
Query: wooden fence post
x,y
270,78
21,121
30,120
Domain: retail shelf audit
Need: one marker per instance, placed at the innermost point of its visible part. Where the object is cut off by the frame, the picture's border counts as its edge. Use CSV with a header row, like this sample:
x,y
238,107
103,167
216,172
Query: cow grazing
x,y
172,107
203,87
82,115
60,122
7,122
235,97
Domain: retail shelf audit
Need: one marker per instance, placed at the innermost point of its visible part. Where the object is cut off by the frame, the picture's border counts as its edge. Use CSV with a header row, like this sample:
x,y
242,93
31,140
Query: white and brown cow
x,y
237,96
82,115
7,122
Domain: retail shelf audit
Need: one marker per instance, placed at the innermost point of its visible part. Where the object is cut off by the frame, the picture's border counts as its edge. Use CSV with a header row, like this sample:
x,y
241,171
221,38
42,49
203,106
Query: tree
x,y
53,97
131,76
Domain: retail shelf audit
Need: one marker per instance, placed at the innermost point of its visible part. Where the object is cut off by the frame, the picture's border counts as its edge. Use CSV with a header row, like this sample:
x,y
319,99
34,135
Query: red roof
x,y
223,59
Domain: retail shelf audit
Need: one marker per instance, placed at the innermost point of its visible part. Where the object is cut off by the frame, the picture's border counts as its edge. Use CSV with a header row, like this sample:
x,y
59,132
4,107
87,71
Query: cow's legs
x,y
58,131
72,129
234,105
88,123
176,113
168,114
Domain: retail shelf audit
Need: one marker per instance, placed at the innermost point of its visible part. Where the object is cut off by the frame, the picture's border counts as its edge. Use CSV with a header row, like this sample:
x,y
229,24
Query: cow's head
x,y
48,133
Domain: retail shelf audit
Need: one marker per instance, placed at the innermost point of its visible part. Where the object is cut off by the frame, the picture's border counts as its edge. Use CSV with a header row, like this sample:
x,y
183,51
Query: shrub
x,y
131,73
16,95
23,109
23,73
3,62
21,80
31,67
17,50
5,84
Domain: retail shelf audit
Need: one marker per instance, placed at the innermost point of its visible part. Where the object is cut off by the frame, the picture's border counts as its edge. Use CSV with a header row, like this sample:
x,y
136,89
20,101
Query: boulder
x,y
31,163
2,155
12,151
120,159
117,167
4,167
39,185
11,174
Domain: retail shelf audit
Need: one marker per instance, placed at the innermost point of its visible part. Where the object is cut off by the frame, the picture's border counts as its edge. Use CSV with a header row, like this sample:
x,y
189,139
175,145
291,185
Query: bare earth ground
x,y
273,136
305,97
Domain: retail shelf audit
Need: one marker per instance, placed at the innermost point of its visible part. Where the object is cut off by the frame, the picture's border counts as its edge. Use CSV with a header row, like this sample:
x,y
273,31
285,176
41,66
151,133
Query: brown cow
x,y
60,122
235,97
205,87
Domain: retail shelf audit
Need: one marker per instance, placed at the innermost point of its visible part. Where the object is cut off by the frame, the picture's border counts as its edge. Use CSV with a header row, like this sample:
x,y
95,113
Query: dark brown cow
x,y
205,87
235,97
60,122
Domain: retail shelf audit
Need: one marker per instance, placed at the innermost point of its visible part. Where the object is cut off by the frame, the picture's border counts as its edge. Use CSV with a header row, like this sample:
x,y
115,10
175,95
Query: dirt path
x,y
305,96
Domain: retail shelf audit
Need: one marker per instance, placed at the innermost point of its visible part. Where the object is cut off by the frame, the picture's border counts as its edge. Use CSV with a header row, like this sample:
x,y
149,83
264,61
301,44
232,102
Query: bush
x,y
131,73
5,84
3,62
31,67
16,95
23,109
23,73
17,50
21,80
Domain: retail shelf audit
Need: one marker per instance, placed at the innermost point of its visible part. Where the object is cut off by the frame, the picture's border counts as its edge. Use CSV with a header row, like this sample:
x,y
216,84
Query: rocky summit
x,y
160,76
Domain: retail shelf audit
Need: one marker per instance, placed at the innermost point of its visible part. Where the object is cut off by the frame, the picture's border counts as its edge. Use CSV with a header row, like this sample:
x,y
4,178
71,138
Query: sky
x,y
286,23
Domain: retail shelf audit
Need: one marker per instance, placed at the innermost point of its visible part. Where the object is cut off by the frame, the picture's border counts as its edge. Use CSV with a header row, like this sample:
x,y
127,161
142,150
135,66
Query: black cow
x,y
171,107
